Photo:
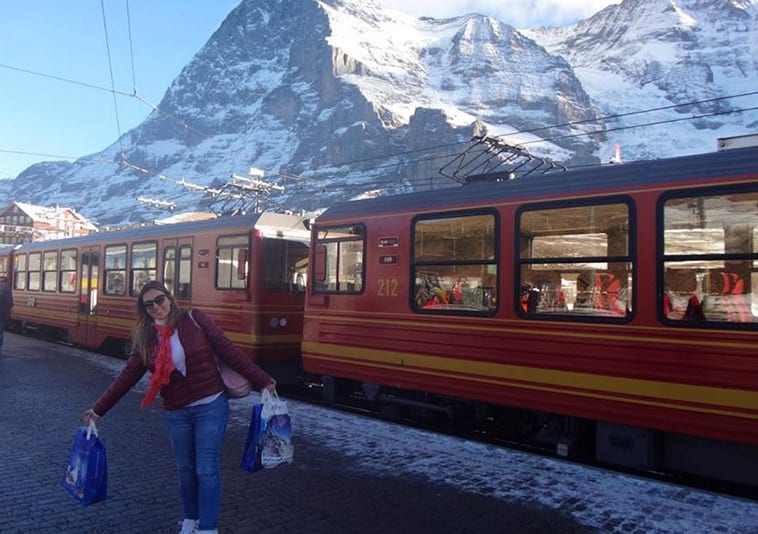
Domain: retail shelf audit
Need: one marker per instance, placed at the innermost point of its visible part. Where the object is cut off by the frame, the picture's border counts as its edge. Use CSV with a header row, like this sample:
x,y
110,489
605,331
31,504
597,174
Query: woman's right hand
x,y
88,416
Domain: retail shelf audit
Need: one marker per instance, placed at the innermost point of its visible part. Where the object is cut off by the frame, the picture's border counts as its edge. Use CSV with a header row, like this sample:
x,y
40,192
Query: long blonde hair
x,y
144,333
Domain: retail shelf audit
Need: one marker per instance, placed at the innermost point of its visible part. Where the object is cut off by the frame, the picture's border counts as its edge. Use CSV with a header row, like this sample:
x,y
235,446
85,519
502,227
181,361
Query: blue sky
x,y
56,120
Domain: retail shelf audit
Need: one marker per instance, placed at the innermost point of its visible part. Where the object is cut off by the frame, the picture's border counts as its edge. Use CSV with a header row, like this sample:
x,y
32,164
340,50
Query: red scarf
x,y
164,364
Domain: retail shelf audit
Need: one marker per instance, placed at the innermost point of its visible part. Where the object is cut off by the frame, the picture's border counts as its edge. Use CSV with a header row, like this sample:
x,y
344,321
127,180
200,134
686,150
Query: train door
x,y
177,268
89,272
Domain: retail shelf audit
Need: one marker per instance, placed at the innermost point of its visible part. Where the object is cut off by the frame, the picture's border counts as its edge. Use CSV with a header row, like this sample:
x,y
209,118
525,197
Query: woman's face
x,y
157,304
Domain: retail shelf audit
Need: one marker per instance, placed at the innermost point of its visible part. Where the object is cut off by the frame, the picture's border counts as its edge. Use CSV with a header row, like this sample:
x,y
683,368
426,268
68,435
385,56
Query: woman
x,y
178,348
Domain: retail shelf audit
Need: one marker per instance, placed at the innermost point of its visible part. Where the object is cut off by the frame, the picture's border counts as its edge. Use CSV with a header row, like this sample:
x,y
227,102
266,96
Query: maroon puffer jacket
x,y
202,379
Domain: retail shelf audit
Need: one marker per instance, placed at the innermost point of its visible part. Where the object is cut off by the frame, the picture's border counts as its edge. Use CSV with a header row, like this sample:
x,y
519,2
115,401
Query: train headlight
x,y
278,322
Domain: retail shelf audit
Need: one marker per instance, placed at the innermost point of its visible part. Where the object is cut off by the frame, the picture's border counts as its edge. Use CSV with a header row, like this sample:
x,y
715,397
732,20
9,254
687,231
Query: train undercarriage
x,y
720,465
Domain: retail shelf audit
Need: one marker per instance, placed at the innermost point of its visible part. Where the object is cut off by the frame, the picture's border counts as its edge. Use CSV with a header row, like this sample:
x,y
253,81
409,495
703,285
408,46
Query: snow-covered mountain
x,y
648,54
346,96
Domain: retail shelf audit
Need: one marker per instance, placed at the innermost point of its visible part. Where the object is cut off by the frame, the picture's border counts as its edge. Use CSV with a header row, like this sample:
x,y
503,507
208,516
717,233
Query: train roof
x,y
600,179
271,224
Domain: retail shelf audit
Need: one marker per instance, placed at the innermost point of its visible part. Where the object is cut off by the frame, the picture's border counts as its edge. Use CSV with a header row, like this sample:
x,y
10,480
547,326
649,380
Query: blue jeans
x,y
196,435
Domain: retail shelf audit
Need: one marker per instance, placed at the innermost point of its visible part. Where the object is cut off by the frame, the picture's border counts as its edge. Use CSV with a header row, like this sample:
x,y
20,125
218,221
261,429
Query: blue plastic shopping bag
x,y
275,442
251,456
269,438
86,475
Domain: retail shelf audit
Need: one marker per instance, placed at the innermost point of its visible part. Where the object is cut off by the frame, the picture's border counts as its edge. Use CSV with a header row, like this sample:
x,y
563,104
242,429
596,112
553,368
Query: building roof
x,y
51,215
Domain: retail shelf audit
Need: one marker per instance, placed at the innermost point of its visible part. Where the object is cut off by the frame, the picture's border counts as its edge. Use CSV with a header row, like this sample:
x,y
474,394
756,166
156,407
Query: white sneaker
x,y
189,526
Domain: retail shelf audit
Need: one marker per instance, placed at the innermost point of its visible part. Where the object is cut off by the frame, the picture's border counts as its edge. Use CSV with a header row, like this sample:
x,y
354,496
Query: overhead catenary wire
x,y
632,113
654,123
134,95
110,69
62,79
131,48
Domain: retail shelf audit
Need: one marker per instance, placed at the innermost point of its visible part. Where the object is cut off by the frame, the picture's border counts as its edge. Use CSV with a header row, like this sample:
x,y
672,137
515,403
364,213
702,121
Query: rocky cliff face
x,y
348,97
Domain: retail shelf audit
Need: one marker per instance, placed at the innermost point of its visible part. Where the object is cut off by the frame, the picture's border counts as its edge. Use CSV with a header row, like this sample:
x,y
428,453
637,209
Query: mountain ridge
x,y
321,89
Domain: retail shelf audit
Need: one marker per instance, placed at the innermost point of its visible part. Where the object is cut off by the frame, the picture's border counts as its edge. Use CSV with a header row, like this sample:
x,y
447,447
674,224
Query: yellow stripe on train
x,y
603,385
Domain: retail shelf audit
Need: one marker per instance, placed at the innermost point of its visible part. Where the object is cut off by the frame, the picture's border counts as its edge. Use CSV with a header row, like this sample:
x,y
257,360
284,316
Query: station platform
x,y
45,387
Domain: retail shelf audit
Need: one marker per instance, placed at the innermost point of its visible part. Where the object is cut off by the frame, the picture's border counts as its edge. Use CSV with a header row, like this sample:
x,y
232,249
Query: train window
x,y
115,270
710,259
67,281
454,264
232,261
280,262
183,288
50,271
575,261
144,265
33,275
339,259
177,272
19,272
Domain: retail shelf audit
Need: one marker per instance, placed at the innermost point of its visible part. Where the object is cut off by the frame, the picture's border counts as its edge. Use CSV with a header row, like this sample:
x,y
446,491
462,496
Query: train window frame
x,y
703,298
435,294
114,274
145,252
67,272
50,271
603,303
333,244
234,250
20,265
184,265
34,272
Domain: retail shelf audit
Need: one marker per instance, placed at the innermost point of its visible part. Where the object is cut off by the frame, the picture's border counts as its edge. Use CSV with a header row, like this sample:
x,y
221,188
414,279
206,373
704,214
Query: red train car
x,y
610,311
246,271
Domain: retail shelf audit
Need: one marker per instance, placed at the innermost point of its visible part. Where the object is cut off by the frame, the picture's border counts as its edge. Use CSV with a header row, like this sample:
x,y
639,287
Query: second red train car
x,y
610,311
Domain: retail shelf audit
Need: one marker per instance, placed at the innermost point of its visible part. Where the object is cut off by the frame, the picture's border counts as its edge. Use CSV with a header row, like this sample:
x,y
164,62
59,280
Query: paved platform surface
x,y
45,387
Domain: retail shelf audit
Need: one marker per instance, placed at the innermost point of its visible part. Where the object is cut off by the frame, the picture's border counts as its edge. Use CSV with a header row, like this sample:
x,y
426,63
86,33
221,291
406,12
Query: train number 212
x,y
387,287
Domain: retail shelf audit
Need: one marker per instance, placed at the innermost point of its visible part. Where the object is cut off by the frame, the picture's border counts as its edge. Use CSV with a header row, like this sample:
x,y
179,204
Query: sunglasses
x,y
160,299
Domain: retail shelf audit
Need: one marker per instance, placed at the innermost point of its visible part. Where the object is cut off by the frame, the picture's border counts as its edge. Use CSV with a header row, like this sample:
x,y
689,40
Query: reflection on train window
x,y
339,257
282,262
575,261
710,261
177,274
144,265
115,270
19,272
50,270
184,285
67,281
169,269
34,275
454,266
232,262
